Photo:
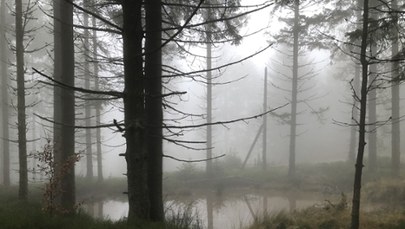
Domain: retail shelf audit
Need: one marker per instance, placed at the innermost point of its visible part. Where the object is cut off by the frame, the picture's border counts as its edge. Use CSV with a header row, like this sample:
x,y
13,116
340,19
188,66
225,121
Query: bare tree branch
x,y
192,161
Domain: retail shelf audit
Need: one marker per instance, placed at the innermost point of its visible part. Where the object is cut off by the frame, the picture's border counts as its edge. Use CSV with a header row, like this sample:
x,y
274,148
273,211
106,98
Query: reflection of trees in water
x,y
292,201
210,214
219,211
95,209
100,209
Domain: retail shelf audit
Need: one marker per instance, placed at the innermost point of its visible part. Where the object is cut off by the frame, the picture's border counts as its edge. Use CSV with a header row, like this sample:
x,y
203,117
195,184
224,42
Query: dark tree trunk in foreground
x,y
355,221
65,111
395,124
134,112
22,138
153,72
294,92
4,95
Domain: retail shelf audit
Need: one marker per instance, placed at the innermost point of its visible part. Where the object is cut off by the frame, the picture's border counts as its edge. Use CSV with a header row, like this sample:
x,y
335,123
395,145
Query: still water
x,y
213,211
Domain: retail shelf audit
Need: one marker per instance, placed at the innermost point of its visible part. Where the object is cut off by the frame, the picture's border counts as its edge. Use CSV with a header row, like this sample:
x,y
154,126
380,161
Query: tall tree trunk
x,y
264,148
22,138
294,92
65,113
98,104
153,73
209,97
134,112
87,108
395,124
372,105
355,220
4,95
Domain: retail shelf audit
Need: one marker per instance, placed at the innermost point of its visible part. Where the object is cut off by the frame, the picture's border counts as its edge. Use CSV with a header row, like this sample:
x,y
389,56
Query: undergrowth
x,y
330,216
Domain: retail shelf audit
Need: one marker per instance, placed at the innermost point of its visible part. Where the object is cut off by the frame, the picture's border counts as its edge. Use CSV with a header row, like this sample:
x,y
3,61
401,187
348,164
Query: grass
x,y
330,216
16,214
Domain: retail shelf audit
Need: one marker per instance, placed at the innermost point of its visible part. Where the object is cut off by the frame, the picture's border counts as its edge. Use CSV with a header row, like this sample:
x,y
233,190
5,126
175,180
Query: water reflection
x,y
210,212
213,210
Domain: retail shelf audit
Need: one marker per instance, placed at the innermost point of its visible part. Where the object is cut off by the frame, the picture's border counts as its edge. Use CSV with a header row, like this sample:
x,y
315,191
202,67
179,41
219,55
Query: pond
x,y
213,211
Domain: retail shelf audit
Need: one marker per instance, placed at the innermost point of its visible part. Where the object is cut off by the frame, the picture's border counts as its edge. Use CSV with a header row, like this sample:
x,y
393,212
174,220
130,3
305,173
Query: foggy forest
x,y
217,114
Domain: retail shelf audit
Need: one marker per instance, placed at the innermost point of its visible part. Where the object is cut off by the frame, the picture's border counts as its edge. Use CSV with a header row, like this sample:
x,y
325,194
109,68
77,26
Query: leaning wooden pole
x,y
251,147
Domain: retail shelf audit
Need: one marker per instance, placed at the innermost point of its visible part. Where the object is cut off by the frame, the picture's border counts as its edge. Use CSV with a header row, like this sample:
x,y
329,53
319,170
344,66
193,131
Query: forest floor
x,y
325,178
331,216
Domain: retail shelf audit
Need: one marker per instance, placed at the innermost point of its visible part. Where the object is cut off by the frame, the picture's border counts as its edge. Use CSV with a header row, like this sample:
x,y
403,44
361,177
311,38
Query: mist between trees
x,y
127,88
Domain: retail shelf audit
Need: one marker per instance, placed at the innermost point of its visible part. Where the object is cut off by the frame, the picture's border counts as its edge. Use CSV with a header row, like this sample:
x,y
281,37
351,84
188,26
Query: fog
x,y
238,93
292,86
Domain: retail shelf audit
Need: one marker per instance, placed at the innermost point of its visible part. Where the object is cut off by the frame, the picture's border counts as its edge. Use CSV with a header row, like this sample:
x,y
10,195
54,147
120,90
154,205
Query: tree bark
x,y
294,92
4,95
134,112
153,74
355,220
22,138
65,112
395,115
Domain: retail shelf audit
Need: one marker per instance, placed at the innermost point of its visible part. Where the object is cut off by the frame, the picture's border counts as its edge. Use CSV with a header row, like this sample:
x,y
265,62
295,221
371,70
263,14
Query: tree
x,y
134,112
355,219
372,94
355,87
143,101
300,34
209,93
64,101
216,30
22,138
4,95
293,121
87,105
98,103
154,106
